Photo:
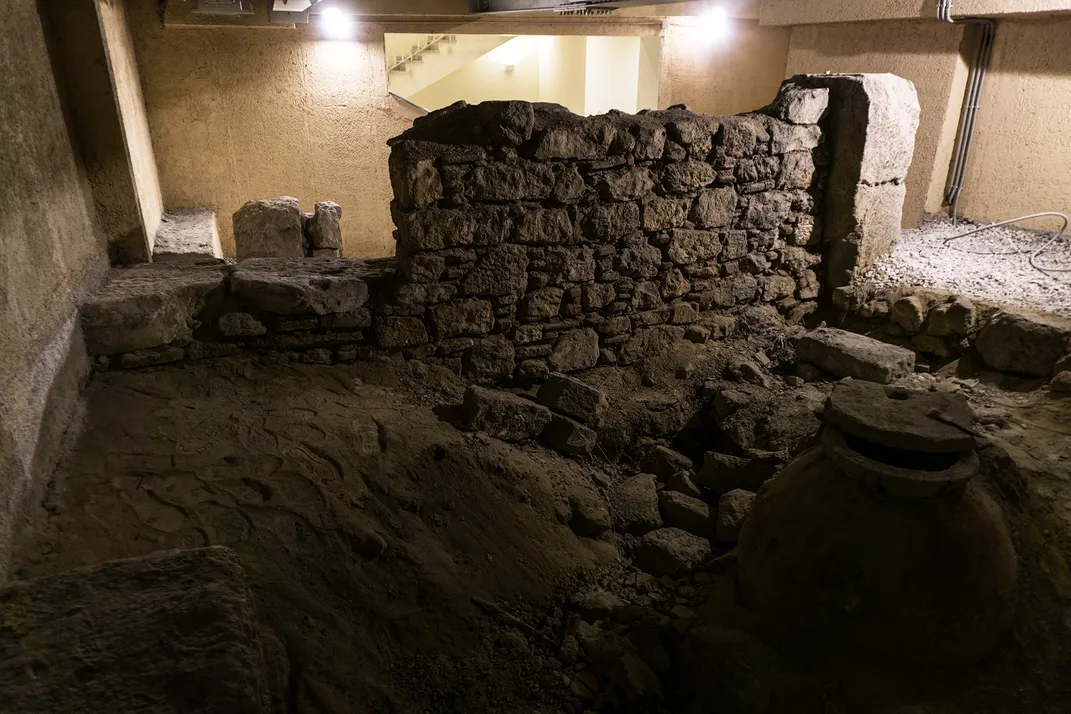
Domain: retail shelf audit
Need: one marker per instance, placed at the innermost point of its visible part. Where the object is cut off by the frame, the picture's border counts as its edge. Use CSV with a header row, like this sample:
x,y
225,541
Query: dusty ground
x,y
991,266
368,525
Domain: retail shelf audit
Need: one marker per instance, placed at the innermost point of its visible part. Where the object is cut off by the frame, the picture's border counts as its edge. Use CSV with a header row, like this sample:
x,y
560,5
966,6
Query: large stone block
x,y
318,286
1024,341
574,351
688,176
545,227
715,208
506,182
568,136
146,306
503,415
494,123
662,213
172,631
625,185
413,173
799,105
846,354
269,229
572,397
689,246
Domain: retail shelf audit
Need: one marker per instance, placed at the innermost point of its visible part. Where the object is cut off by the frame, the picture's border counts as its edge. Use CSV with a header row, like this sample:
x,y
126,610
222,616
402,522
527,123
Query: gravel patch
x,y
993,265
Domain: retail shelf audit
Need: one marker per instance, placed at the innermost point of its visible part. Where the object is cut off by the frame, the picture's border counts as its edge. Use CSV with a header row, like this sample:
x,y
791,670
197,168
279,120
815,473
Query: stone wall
x,y
535,240
531,240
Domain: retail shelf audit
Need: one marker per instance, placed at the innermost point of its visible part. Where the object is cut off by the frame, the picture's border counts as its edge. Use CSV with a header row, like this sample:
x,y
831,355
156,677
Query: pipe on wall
x,y
971,101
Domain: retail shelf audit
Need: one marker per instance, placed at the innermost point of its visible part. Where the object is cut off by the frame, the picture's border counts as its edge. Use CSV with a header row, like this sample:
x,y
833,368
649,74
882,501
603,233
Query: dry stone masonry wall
x,y
533,241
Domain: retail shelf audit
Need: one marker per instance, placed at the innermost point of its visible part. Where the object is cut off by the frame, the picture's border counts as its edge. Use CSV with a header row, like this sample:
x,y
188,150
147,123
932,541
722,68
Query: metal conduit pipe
x,y
965,140
971,101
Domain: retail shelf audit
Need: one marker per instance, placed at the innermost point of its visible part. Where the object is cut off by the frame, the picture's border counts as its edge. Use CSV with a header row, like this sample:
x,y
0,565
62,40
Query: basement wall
x,y
928,54
51,255
735,75
1019,164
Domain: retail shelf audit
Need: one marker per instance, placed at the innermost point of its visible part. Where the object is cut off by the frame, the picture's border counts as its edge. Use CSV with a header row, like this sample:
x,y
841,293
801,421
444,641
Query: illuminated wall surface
x,y
589,75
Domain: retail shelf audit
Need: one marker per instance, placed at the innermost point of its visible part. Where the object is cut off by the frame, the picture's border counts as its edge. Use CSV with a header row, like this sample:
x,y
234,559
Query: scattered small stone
x,y
794,381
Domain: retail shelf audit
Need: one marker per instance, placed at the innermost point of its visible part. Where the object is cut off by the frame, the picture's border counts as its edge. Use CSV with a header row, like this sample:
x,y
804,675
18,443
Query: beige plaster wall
x,y
800,12
237,114
126,86
926,53
1022,153
559,82
48,249
487,79
740,73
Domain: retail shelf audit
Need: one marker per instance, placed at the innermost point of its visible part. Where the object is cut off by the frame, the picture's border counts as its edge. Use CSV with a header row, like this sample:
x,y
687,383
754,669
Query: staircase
x,y
433,57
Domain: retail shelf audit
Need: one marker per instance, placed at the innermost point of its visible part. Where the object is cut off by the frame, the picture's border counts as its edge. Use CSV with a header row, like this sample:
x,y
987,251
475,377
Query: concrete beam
x,y
799,12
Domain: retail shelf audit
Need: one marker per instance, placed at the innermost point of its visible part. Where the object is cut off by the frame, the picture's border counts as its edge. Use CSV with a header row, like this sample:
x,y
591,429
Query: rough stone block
x,y
612,221
626,185
687,513
462,317
688,246
1025,342
545,227
187,235
634,503
572,397
146,306
490,360
496,123
787,137
743,135
240,324
846,354
672,551
503,415
501,271
269,229
733,508
414,178
664,213
570,437
397,333
171,631
715,208
318,286
323,230
574,351
799,105
688,176
505,182
722,473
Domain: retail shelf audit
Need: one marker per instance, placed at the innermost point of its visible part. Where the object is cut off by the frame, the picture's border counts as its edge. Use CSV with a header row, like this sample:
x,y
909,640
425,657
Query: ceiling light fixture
x,y
715,24
336,24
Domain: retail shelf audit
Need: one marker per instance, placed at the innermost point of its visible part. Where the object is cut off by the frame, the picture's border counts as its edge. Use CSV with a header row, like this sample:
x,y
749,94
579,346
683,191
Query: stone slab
x,y
319,286
1025,342
174,631
846,354
187,234
147,306
901,418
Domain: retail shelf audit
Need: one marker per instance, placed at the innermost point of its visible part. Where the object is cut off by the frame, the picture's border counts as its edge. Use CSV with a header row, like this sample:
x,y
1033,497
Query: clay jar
x,y
878,538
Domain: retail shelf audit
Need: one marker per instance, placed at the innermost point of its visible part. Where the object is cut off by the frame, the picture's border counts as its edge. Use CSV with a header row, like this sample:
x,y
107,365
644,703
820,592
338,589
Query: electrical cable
x,y
1033,253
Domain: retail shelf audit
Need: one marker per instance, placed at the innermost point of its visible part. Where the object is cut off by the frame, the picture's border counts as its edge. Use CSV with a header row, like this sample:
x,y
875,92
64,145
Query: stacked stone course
x,y
533,240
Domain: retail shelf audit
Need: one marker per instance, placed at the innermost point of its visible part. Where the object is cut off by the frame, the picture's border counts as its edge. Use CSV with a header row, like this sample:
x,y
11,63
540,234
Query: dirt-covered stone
x,y
672,551
635,505
503,415
846,354
572,397
733,508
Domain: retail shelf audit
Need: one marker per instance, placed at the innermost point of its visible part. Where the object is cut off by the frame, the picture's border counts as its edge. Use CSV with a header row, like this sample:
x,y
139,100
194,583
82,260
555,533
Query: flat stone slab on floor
x,y
187,234
172,631
147,306
847,354
319,286
901,418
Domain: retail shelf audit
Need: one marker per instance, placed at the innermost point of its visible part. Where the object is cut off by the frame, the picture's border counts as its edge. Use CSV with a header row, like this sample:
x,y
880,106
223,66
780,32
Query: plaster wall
x,y
51,251
736,74
126,86
238,114
613,74
928,54
1019,164
559,82
800,12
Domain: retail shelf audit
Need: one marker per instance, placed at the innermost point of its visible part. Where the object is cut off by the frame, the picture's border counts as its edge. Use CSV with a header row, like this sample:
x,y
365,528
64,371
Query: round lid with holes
x,y
904,419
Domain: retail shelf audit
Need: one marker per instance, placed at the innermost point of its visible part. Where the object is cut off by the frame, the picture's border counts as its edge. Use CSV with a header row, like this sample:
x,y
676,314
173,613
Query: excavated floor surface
x,y
368,525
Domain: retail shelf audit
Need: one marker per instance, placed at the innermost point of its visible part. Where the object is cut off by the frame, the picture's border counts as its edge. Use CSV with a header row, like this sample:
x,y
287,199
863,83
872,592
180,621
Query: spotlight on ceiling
x,y
336,24
715,24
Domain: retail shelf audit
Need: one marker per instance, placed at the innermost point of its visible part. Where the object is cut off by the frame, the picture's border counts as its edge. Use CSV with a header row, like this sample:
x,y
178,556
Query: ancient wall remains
x,y
531,240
